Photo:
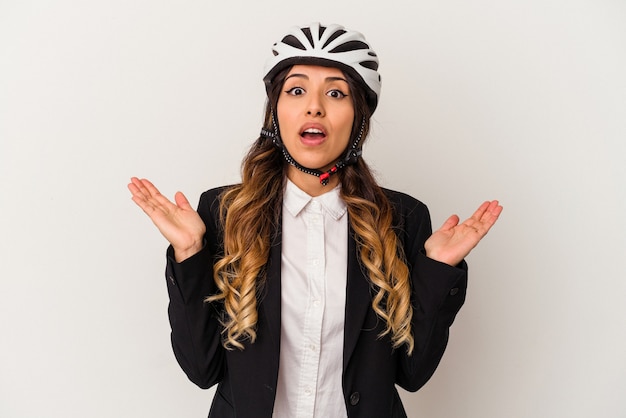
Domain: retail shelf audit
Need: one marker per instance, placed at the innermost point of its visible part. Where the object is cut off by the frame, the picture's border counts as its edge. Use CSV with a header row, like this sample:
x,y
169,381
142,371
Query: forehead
x,y
316,71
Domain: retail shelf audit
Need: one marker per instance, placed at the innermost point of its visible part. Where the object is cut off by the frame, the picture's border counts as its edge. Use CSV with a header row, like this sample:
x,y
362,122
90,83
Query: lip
x,y
316,140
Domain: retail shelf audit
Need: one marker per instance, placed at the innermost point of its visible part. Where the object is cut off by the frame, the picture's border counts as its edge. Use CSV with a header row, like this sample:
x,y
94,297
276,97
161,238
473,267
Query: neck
x,y
310,184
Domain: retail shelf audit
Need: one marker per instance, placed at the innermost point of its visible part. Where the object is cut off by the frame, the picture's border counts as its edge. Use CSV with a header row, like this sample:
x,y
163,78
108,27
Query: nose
x,y
315,106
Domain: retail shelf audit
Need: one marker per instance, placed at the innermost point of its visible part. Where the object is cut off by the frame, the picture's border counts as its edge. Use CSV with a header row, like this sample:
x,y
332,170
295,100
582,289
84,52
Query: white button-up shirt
x,y
313,299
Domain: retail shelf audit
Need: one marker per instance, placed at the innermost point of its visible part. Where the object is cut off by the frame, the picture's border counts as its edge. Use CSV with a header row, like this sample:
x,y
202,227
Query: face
x,y
315,115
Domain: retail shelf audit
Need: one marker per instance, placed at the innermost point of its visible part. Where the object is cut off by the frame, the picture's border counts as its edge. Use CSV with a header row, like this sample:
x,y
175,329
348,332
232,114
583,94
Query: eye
x,y
295,91
336,94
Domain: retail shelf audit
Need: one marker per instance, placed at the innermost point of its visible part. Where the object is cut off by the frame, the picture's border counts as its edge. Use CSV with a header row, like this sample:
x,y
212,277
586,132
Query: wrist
x,y
443,258
181,254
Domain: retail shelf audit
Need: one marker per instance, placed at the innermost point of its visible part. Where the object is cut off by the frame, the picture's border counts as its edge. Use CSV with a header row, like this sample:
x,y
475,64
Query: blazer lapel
x,y
271,300
357,300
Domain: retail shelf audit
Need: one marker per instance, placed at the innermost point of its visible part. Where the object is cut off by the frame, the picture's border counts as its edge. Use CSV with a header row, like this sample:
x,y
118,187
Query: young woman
x,y
308,290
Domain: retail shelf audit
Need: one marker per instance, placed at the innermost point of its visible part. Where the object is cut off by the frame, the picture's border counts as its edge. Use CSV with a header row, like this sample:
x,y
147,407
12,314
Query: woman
x,y
308,290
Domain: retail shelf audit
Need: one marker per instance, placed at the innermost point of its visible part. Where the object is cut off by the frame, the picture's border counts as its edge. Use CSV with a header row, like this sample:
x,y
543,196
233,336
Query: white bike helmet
x,y
331,45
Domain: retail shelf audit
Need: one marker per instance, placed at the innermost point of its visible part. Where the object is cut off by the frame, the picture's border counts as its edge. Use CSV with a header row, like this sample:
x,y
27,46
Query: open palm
x,y
179,223
453,241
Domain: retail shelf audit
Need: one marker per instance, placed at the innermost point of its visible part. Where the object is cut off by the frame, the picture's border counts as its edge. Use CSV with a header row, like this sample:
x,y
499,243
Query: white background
x,y
523,101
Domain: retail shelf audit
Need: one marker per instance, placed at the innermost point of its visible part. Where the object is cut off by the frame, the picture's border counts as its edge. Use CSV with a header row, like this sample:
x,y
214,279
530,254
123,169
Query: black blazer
x,y
371,368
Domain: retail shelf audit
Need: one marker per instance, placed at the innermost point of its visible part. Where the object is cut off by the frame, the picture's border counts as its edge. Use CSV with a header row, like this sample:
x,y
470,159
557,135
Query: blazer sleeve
x,y
195,325
438,292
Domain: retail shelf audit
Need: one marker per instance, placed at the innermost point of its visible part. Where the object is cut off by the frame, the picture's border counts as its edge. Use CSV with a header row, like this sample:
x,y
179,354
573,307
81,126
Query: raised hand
x,y
453,241
179,223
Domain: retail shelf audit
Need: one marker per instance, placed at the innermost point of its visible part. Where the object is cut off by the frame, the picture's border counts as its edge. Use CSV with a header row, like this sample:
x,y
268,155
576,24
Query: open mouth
x,y
312,133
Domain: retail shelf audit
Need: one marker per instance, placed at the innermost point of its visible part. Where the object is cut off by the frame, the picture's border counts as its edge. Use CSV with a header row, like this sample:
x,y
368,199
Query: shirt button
x,y
454,291
316,303
307,391
354,398
312,347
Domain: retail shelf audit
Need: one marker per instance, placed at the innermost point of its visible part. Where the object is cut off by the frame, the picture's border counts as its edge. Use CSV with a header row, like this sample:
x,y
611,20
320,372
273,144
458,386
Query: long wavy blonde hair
x,y
250,212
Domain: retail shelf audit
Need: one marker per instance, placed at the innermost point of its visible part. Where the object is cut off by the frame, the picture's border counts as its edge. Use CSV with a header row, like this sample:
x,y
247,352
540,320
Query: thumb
x,y
450,223
181,201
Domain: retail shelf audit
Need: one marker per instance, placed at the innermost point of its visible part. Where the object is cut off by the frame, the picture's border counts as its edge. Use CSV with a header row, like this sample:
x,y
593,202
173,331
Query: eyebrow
x,y
307,77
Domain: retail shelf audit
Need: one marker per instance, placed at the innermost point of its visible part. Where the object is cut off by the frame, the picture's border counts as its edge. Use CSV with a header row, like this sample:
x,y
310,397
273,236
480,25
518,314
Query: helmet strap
x,y
351,155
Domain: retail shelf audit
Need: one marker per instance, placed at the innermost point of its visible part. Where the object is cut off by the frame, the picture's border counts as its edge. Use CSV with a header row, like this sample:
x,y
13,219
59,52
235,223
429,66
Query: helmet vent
x,y
293,42
350,46
307,32
372,65
333,37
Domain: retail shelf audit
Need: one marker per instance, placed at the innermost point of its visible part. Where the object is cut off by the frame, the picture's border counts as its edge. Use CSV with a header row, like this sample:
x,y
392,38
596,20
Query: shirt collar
x,y
295,200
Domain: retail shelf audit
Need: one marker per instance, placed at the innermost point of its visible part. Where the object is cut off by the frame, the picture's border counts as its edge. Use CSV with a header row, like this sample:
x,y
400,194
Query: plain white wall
x,y
524,101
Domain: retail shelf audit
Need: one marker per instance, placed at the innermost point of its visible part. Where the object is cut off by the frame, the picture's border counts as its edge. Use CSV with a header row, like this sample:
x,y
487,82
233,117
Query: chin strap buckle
x,y
325,178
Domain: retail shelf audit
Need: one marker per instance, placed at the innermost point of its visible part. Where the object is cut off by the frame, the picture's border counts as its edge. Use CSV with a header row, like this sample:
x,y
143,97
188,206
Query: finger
x,y
150,192
147,185
450,223
139,197
148,197
144,204
482,209
182,201
495,209
156,208
138,188
135,187
153,194
492,213
163,203
487,219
